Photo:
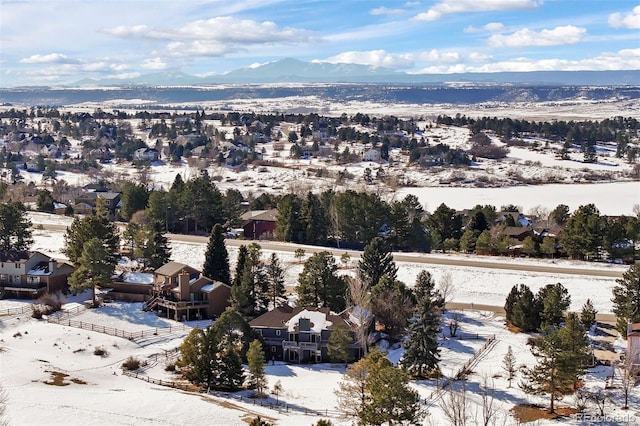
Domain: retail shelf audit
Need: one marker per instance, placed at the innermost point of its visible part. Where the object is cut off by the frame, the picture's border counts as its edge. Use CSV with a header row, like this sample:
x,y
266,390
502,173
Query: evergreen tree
x,y
554,300
588,314
550,376
548,246
216,258
338,344
250,296
626,298
468,241
577,354
94,268
314,220
256,363
376,262
422,354
509,365
134,198
95,225
243,252
522,308
15,227
275,277
289,226
319,284
375,392
583,232
157,252
392,399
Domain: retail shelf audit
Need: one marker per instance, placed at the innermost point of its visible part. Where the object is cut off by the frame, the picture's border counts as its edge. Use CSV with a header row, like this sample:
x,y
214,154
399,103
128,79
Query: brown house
x,y
259,224
301,334
31,274
131,286
184,294
633,342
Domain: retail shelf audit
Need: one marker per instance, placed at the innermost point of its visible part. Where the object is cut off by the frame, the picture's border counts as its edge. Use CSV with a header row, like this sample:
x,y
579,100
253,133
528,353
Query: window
x,y
259,331
278,332
273,348
17,266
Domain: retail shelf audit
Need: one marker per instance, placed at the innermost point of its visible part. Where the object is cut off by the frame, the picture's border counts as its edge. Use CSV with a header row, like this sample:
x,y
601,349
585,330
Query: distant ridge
x,y
290,70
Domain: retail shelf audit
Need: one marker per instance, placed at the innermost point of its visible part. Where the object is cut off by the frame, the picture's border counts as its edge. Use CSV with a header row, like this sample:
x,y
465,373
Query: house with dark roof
x,y
301,334
31,274
86,202
259,224
181,292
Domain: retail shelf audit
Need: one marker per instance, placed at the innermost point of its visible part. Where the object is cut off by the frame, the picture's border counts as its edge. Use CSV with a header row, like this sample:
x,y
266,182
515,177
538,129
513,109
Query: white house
x,y
371,155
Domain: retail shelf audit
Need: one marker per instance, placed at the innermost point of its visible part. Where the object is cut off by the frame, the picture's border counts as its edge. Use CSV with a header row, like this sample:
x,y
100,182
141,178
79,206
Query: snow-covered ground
x,y
95,392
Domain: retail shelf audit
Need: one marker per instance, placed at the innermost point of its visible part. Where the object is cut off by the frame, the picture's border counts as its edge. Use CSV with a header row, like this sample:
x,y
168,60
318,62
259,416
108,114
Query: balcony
x,y
292,344
179,305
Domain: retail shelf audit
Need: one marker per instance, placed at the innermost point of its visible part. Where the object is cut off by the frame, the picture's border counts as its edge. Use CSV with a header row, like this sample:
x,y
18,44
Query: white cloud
x,y
154,64
626,59
494,26
377,58
51,58
567,34
462,6
224,29
386,11
629,20
491,27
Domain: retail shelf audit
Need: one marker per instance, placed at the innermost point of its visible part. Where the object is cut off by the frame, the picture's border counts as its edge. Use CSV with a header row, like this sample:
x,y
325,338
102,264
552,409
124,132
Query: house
x,y
131,286
517,232
259,224
300,334
31,274
86,202
371,155
633,342
183,293
145,154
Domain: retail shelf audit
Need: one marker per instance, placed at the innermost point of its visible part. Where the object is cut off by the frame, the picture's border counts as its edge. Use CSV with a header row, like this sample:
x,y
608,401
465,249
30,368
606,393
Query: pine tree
x,y
216,258
554,300
94,268
15,227
319,284
552,375
588,314
243,252
626,298
576,355
275,277
509,365
157,251
256,363
95,225
422,354
338,344
376,262
392,400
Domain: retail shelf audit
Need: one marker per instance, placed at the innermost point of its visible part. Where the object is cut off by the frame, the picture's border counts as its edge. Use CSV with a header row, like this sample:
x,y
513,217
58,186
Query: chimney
x,y
183,285
52,266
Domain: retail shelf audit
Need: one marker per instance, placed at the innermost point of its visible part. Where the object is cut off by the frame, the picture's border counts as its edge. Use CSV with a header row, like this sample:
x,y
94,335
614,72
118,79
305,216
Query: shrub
x,y
131,364
170,367
100,351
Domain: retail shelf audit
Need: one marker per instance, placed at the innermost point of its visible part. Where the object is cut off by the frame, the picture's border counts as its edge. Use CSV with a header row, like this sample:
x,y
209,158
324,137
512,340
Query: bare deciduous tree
x,y
487,394
446,287
360,303
453,325
628,375
455,407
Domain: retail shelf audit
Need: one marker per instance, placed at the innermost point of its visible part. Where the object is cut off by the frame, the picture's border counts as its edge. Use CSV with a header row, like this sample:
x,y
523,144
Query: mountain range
x,y
294,71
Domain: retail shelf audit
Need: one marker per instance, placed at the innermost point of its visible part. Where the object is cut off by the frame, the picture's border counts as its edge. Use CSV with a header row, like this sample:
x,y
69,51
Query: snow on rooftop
x,y
137,278
318,320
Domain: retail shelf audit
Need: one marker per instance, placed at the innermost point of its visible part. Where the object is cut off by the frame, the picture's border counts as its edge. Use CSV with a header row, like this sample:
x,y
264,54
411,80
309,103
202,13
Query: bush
x,y
131,364
170,367
100,351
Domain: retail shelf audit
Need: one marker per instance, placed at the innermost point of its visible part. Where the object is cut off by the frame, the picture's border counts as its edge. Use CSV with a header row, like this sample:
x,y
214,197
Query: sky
x,y
49,42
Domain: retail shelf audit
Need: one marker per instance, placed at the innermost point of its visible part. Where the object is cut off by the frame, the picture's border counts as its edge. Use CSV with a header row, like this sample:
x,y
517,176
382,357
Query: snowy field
x,y
94,391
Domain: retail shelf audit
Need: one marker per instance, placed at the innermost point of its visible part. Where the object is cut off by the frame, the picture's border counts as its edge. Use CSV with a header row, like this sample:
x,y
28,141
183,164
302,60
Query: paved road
x,y
416,258
400,257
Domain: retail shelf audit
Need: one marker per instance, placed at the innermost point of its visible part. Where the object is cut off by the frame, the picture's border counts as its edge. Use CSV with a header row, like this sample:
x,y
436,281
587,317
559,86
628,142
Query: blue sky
x,y
48,42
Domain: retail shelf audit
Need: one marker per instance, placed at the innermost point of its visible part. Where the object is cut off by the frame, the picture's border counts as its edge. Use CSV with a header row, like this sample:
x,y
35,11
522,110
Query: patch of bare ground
x,y
526,413
58,379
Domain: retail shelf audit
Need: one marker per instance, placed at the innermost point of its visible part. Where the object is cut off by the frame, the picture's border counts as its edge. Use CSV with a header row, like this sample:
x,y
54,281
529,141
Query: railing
x,y
131,335
292,344
181,304
20,286
27,309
